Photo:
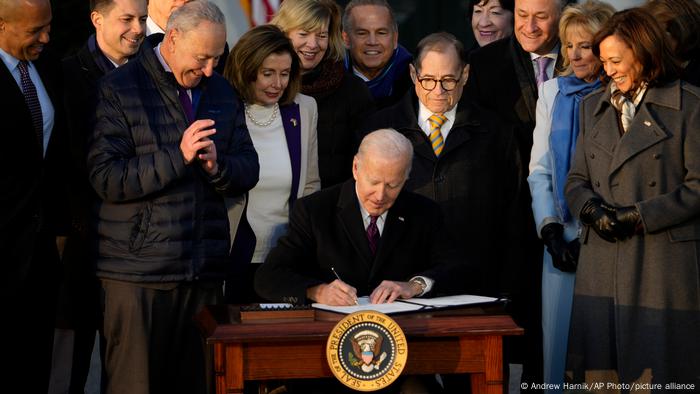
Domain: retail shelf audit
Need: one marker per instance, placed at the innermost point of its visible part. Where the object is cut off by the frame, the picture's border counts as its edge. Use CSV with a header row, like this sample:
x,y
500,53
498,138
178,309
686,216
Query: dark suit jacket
x,y
501,79
326,230
476,181
32,186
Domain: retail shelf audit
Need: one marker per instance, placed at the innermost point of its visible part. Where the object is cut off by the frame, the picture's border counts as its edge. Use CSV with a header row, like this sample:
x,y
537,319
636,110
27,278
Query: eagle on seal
x,y
366,346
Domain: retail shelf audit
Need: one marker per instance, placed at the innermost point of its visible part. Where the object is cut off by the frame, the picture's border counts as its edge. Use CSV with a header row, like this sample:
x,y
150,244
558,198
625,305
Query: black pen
x,y
338,276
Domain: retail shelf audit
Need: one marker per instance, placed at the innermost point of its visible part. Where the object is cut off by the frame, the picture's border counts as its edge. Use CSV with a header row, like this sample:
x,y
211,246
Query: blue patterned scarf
x,y
383,84
565,128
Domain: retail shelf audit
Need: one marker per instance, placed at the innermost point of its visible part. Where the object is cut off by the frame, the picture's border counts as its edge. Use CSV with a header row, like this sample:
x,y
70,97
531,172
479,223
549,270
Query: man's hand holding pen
x,y
337,293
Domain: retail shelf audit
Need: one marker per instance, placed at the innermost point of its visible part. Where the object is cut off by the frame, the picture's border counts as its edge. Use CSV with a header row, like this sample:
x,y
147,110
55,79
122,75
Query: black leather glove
x,y
601,217
630,221
563,257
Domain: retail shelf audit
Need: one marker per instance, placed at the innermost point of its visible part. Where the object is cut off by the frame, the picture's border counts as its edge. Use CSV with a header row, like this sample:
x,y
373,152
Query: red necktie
x,y
373,234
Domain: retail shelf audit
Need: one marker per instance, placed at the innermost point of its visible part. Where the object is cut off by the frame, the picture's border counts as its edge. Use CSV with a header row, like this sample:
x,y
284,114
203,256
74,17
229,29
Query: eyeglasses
x,y
430,83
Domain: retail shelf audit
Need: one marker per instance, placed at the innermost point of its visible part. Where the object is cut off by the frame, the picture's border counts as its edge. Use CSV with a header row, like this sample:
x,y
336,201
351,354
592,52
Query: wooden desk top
x,y
222,324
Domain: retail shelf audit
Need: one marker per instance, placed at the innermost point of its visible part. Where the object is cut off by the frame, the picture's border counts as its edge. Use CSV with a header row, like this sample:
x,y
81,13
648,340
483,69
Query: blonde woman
x,y
314,27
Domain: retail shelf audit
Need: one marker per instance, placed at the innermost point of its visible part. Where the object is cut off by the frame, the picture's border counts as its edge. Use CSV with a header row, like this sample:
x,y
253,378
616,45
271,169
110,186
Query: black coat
x,y
33,187
501,79
341,111
326,230
475,181
162,220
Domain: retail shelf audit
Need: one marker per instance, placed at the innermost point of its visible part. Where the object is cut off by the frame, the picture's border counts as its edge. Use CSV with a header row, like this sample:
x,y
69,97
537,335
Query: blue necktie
x,y
32,100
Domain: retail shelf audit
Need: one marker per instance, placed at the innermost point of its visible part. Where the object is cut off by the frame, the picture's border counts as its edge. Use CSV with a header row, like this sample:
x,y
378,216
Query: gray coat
x,y
637,302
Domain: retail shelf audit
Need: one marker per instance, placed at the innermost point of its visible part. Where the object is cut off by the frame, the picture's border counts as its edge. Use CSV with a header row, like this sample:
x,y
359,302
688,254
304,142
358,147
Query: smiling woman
x,y
491,20
634,182
343,99
265,70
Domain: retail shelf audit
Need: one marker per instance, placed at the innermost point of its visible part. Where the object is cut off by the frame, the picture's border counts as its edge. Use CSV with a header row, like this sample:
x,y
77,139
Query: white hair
x,y
192,13
388,144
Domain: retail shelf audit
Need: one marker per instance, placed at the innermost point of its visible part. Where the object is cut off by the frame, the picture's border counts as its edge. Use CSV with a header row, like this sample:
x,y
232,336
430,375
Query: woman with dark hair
x,y
635,186
491,20
681,19
344,101
265,70
554,141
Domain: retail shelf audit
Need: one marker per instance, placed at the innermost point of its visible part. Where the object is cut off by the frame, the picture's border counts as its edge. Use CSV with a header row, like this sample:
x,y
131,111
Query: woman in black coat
x,y
343,99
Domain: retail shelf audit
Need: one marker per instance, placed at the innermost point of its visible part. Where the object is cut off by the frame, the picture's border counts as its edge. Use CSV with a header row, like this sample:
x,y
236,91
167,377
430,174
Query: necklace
x,y
266,123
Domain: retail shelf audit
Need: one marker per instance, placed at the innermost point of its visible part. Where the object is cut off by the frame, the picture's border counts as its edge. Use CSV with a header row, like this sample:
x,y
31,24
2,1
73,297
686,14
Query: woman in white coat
x,y
265,70
554,142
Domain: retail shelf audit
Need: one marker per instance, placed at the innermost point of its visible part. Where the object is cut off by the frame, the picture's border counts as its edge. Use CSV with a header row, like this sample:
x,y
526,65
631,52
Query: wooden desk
x,y
465,340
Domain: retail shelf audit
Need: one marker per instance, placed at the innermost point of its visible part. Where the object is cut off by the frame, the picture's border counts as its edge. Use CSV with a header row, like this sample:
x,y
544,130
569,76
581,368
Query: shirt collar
x,y
152,27
161,60
424,113
363,211
10,61
551,54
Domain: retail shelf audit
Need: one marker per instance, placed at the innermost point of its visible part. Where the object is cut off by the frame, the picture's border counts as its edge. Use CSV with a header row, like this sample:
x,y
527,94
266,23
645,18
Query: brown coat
x,y
637,302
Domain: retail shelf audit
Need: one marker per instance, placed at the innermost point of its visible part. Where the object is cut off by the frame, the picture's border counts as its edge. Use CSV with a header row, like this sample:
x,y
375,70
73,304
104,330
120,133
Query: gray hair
x,y
356,3
440,42
389,144
192,13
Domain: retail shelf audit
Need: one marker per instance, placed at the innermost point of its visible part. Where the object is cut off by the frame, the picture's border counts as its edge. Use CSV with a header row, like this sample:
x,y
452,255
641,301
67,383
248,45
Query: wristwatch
x,y
419,284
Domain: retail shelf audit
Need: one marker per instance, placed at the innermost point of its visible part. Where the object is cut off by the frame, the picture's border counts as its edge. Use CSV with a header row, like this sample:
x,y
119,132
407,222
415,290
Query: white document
x,y
409,305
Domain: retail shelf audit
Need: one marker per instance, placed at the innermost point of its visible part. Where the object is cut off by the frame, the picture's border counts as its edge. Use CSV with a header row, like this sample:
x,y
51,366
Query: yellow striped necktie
x,y
436,122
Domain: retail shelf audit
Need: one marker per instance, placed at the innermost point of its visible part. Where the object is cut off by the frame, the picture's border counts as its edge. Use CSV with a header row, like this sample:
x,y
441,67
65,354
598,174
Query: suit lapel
x,y
350,218
643,133
459,133
16,96
526,80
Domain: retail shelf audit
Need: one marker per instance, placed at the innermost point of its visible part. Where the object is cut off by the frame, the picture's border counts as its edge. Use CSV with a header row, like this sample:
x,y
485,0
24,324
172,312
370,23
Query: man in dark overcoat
x,y
473,175
32,192
505,76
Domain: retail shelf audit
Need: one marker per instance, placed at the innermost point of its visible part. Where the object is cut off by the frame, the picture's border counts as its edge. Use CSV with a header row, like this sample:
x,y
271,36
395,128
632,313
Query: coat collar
x,y
645,130
405,117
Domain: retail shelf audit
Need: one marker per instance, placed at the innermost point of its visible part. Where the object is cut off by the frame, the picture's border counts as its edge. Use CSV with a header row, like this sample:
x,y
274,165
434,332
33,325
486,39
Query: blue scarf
x,y
383,84
565,128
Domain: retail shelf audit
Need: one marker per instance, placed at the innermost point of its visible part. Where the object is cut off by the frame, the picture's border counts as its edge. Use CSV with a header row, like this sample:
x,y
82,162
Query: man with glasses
x,y
464,159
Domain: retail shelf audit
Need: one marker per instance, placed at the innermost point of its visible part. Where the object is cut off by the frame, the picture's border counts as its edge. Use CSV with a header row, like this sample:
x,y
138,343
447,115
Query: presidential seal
x,y
367,351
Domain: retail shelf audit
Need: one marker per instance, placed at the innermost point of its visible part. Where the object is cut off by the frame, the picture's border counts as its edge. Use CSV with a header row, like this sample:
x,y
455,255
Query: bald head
x,y
24,27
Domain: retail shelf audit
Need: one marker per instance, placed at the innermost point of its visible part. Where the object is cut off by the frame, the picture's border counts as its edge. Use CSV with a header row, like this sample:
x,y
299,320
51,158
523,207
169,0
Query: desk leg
x,y
228,364
491,381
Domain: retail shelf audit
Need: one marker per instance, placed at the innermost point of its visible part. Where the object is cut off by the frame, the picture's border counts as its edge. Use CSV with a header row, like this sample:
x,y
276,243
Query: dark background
x,y
416,18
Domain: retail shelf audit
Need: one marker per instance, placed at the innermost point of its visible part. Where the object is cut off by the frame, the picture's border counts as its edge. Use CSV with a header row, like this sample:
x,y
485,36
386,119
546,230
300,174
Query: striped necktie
x,y
31,98
436,140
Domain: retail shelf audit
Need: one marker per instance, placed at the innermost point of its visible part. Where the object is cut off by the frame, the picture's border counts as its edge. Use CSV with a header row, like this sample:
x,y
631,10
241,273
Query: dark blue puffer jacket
x,y
161,220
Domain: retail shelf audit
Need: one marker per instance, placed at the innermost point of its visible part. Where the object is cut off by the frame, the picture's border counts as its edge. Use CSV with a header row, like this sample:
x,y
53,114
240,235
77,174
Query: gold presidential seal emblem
x,y
367,351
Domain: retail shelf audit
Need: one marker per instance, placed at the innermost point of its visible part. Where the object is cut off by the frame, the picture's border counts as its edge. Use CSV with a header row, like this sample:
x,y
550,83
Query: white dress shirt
x,y
424,113
152,27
